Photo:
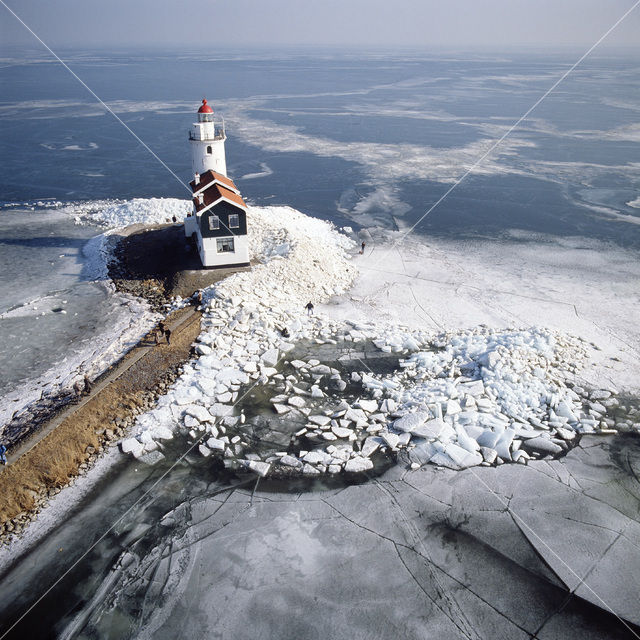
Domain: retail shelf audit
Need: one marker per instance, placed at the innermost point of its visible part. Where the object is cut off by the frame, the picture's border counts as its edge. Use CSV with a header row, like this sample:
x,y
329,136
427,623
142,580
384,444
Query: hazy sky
x,y
370,23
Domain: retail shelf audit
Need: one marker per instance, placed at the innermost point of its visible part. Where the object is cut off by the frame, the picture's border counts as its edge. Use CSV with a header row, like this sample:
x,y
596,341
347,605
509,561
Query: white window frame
x,y
214,222
222,242
236,217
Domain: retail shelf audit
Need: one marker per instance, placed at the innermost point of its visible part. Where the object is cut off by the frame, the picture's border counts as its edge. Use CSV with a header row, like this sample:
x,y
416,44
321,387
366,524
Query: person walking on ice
x,y
362,246
3,454
309,308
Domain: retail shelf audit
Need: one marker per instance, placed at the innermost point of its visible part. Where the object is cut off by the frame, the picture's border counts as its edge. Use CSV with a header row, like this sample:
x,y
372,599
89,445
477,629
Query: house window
x,y
214,223
209,149
234,221
225,245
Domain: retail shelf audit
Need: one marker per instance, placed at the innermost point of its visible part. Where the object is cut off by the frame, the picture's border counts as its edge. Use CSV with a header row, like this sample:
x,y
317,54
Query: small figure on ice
x,y
87,385
3,454
309,308
362,246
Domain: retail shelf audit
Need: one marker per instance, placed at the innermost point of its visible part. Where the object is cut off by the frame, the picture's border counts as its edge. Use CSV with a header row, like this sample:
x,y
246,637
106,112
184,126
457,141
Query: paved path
x,y
177,324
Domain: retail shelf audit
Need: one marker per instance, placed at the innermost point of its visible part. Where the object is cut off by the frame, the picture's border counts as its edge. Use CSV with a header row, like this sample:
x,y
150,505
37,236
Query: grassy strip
x,y
26,484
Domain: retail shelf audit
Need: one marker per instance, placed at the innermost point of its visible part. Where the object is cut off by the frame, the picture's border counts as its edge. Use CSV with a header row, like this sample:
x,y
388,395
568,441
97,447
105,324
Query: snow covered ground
x,y
577,286
476,383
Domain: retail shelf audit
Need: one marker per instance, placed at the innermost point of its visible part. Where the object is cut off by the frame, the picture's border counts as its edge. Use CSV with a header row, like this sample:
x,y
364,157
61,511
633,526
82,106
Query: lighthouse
x,y
218,224
207,142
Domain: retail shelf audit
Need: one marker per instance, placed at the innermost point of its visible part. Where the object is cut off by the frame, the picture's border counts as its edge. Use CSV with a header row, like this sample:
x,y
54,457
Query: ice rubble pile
x,y
481,396
485,396
113,213
303,260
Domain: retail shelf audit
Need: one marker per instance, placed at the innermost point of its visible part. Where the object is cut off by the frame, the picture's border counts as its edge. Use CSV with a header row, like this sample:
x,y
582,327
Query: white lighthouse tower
x,y
207,143
218,224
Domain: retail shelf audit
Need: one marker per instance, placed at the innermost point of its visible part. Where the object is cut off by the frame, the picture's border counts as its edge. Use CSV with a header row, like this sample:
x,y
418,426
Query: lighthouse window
x,y
209,150
234,221
214,223
225,245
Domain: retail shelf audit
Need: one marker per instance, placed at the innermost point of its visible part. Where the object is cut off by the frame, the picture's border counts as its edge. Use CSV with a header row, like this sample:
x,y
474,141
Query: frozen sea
x,y
358,139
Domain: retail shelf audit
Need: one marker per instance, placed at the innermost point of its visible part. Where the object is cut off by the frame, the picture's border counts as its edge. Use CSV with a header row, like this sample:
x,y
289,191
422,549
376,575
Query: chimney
x,y
196,178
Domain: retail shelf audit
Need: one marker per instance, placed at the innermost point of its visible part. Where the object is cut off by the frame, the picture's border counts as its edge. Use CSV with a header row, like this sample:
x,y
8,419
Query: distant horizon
x,y
307,48
351,24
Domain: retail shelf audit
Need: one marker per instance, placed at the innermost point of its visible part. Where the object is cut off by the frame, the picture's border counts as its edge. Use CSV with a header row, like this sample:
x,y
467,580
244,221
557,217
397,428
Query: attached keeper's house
x,y
218,224
219,221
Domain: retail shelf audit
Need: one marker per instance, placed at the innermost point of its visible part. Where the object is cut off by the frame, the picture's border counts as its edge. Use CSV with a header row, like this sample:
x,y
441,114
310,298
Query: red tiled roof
x,y
211,177
215,193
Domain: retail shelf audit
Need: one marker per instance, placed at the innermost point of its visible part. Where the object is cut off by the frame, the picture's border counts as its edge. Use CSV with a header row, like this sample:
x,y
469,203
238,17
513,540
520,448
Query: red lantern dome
x,y
205,108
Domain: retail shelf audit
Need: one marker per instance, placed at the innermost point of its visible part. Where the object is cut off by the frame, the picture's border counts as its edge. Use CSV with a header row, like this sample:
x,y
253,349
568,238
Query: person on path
x,y
362,246
3,456
87,385
167,333
309,308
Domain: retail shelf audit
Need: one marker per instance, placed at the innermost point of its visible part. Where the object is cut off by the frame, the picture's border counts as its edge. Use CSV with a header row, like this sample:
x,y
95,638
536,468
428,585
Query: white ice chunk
x,y
199,412
358,465
133,446
270,357
411,421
